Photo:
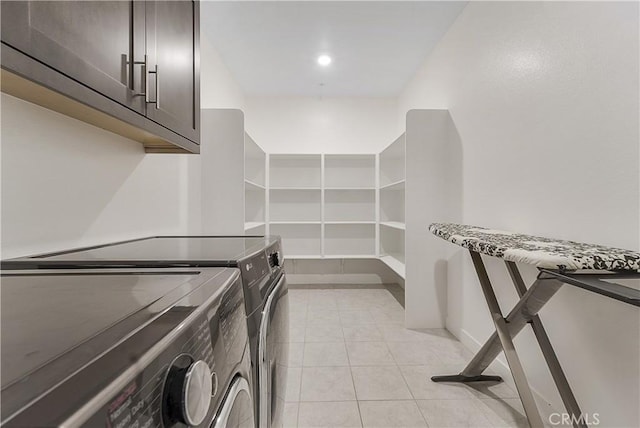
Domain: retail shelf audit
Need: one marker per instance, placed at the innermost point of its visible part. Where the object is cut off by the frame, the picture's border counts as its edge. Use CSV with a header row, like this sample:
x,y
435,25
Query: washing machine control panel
x,y
254,269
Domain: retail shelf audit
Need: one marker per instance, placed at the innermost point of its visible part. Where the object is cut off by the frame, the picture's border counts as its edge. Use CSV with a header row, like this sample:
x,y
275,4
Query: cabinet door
x,y
91,42
173,36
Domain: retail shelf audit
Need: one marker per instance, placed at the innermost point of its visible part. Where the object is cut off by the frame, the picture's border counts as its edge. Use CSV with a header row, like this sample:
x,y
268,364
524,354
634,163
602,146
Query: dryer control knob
x,y
191,390
274,259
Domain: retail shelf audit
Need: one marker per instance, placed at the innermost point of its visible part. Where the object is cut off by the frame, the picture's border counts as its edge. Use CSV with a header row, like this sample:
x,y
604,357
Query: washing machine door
x,y
273,356
237,410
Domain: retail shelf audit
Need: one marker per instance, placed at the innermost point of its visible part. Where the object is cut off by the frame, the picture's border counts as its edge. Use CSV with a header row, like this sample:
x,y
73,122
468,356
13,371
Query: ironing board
x,y
595,268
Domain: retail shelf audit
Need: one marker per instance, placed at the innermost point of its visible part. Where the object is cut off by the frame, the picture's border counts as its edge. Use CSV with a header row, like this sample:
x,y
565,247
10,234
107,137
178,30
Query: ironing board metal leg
x,y
530,303
569,400
525,311
504,337
520,379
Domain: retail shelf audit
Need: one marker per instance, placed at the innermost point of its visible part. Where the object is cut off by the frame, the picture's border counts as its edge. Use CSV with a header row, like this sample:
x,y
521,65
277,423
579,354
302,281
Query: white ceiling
x,y
271,46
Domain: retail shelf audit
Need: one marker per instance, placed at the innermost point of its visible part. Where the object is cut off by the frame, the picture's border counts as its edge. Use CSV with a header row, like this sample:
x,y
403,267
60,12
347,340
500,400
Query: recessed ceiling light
x,y
324,60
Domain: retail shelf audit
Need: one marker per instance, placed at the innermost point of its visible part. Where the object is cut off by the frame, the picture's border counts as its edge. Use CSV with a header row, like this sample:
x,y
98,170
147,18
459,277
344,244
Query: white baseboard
x,y
500,367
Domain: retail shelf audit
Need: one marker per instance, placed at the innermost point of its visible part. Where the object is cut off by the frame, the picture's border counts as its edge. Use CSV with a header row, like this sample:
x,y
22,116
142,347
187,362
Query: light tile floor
x,y
353,364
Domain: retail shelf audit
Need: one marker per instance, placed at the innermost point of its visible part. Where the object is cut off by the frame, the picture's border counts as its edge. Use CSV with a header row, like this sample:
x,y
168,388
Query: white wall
x,y
68,184
322,125
218,88
544,96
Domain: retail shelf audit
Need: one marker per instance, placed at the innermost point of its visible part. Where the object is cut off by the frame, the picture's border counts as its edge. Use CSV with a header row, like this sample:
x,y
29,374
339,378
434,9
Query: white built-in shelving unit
x,y
393,224
323,206
255,187
299,240
342,208
328,206
295,171
295,203
392,175
349,205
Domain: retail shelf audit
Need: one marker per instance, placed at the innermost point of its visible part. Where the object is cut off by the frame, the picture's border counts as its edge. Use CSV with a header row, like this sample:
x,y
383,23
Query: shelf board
x,y
367,156
393,224
399,183
351,222
331,256
253,224
251,183
295,188
349,256
295,156
296,222
349,188
395,264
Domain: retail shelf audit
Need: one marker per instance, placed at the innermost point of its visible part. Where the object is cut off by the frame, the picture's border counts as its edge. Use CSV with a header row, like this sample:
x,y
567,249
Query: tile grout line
x,y
359,411
404,380
304,346
353,382
304,341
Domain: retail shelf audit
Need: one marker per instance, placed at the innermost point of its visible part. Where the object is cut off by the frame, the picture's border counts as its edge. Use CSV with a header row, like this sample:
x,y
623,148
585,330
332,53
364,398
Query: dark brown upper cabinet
x,y
131,67
171,38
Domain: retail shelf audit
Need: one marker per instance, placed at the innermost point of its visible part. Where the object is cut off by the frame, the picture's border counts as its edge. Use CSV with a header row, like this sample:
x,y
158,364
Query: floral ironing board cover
x,y
535,250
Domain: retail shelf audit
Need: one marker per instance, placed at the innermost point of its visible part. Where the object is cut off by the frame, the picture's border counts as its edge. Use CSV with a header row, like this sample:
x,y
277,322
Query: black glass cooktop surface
x,y
153,252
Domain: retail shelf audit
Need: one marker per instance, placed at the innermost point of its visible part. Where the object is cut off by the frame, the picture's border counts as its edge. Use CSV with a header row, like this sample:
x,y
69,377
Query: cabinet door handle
x,y
157,72
147,98
146,82
145,75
